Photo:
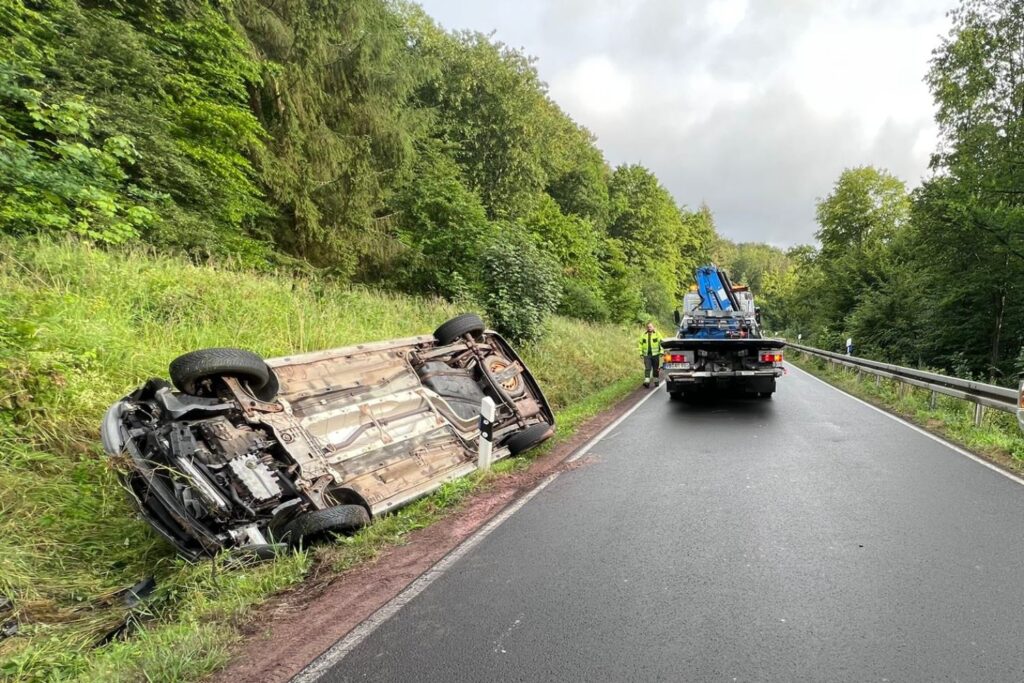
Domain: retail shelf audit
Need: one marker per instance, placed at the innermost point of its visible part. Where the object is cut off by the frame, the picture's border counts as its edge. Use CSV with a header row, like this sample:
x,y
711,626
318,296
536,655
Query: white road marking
x,y
920,430
337,652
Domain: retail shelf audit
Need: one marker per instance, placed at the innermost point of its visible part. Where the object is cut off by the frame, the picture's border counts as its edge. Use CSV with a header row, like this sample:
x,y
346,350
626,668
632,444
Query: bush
x,y
521,286
658,301
582,301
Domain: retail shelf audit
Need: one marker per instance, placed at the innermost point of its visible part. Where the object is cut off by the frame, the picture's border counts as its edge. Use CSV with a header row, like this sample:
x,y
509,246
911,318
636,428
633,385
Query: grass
x,y
998,436
81,328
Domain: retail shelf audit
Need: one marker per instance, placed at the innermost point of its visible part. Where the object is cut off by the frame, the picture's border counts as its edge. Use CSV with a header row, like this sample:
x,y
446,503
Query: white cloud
x,y
725,15
595,87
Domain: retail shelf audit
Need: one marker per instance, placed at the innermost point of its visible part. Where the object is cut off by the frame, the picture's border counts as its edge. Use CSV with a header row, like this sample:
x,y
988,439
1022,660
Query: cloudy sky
x,y
753,106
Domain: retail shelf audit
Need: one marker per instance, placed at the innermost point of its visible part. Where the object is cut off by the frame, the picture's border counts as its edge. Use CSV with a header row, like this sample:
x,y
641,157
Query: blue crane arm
x,y
714,289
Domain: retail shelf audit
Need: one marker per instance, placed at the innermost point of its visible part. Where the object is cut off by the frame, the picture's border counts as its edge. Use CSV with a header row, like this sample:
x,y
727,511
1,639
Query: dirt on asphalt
x,y
295,627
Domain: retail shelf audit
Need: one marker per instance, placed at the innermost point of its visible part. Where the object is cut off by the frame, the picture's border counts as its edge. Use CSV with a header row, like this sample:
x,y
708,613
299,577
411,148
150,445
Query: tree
x,y
972,211
858,220
127,118
646,221
443,227
489,105
334,97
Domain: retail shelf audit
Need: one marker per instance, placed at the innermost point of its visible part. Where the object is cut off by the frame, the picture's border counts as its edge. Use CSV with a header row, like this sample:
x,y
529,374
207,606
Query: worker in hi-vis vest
x,y
650,349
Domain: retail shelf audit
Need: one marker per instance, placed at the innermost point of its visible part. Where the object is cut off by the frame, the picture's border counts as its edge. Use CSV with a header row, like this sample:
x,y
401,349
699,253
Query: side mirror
x,y
676,316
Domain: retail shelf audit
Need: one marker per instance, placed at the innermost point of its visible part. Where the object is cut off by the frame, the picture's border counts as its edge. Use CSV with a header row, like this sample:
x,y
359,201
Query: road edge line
x,y
337,652
917,428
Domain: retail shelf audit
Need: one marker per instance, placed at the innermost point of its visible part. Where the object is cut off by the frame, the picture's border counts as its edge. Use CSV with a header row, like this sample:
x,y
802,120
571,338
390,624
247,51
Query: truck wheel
x,y
316,524
189,370
522,441
763,395
675,395
458,327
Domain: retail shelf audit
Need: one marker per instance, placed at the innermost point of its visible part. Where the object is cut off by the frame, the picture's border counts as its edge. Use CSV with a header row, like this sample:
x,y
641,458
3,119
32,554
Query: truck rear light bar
x,y
675,358
771,356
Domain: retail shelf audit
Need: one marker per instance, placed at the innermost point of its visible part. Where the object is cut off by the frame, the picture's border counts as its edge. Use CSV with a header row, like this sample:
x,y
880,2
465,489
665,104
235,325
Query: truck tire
x,y
188,370
675,395
524,440
316,524
458,327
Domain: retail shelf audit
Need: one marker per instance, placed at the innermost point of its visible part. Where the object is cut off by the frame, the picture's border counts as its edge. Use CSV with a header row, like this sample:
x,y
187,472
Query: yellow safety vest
x,y
650,344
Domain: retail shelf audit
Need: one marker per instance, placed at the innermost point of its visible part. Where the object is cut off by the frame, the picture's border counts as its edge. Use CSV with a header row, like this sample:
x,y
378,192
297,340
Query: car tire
x,y
458,327
188,370
316,524
524,440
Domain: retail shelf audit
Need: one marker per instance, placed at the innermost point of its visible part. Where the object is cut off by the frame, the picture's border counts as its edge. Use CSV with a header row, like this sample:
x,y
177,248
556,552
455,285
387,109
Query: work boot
x,y
647,384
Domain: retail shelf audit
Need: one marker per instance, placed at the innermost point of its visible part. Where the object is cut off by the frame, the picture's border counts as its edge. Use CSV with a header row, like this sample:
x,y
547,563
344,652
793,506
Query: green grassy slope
x,y
82,327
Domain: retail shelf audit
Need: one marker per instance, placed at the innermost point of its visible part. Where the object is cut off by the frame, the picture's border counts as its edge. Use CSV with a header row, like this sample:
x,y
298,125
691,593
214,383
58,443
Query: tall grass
x,y
80,328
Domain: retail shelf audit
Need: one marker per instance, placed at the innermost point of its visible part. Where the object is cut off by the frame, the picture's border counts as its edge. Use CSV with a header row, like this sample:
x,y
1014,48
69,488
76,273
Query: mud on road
x,y
295,627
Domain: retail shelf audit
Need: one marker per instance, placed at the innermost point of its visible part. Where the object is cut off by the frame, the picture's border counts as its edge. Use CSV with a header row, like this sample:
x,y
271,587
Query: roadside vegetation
x,y
85,325
998,438
358,140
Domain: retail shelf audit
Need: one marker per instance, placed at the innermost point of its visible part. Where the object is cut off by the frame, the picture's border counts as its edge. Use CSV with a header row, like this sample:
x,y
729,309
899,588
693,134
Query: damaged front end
x,y
201,476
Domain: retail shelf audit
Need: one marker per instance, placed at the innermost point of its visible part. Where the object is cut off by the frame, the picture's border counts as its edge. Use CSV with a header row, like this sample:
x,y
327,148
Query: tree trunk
x,y
997,333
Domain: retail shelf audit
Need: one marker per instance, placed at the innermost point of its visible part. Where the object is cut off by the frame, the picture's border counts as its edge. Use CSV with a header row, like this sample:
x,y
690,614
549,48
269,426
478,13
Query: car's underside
x,y
318,443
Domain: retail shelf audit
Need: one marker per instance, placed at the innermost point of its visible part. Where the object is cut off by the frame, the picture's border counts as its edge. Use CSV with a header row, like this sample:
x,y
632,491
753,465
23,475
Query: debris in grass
x,y
8,629
133,596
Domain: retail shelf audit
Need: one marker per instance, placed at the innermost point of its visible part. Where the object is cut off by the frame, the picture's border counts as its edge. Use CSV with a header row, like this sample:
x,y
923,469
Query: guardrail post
x,y
483,460
932,400
878,381
979,414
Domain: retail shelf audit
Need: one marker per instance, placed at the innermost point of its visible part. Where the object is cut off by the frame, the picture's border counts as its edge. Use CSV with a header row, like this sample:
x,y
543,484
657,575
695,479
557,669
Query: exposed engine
x,y
220,470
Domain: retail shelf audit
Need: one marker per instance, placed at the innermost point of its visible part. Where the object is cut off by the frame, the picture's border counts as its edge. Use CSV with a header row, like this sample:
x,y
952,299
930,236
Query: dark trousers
x,y
652,365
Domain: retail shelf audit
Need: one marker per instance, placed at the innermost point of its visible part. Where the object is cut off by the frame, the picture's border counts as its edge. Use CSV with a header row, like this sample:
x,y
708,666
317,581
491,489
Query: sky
x,y
752,106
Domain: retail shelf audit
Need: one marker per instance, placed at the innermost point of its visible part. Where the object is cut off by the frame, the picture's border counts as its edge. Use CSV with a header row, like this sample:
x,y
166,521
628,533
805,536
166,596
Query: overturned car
x,y
247,453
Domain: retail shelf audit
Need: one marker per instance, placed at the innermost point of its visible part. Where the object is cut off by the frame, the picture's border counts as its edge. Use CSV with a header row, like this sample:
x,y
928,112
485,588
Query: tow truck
x,y
718,342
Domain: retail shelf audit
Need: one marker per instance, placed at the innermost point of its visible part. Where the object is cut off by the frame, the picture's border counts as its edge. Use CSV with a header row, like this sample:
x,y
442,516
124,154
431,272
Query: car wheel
x,y
458,327
315,524
513,386
189,370
524,440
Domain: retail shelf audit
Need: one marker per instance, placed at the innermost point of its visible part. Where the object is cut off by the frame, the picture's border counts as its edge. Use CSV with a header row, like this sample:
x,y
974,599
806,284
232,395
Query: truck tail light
x,y
771,357
674,358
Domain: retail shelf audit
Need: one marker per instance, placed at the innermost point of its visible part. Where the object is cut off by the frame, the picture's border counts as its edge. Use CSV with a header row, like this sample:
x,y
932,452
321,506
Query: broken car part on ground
x,y
248,453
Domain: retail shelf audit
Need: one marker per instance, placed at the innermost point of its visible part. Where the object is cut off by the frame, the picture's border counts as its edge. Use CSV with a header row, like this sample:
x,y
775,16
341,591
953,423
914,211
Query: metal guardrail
x,y
980,394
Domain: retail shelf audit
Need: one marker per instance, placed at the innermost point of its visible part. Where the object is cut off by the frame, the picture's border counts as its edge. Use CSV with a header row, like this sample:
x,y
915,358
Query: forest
x,y
361,143
355,141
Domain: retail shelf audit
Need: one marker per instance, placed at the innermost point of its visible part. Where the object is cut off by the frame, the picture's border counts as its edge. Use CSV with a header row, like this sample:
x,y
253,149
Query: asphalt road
x,y
806,538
